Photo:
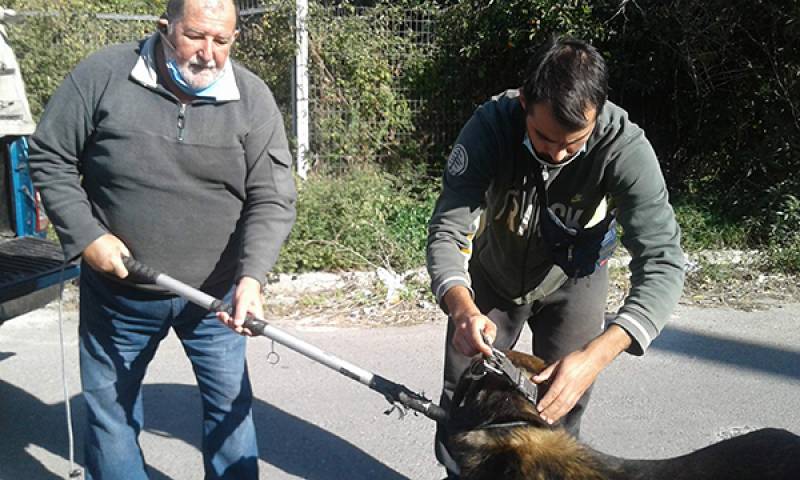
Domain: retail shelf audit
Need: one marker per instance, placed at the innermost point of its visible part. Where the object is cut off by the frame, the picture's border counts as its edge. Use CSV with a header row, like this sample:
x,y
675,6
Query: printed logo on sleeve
x,y
458,161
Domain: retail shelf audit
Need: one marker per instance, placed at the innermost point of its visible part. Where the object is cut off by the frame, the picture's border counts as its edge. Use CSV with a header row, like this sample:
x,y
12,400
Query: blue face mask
x,y
177,77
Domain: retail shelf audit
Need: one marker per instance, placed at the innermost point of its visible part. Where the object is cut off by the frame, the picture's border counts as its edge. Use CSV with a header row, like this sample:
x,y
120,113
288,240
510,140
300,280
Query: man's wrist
x,y
610,343
249,282
460,304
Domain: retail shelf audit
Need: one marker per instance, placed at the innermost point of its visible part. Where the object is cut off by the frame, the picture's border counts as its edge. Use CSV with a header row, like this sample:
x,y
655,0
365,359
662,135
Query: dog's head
x,y
483,398
495,432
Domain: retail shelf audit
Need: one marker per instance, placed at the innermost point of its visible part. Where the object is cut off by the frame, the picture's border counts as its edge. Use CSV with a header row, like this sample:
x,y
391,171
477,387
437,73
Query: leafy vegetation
x,y
716,84
357,220
703,228
364,63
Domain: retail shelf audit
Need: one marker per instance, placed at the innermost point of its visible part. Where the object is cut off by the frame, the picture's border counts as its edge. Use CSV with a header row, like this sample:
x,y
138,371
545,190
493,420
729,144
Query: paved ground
x,y
713,374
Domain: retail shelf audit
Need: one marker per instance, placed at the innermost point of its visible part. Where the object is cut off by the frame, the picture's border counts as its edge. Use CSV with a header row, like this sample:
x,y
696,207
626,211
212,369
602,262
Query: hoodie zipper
x,y
534,221
181,122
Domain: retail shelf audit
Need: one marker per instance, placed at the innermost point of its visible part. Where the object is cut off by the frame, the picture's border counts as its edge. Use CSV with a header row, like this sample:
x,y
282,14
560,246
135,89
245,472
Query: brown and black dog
x,y
500,436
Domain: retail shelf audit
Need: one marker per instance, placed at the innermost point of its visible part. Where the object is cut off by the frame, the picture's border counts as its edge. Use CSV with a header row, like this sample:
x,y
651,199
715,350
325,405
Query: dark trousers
x,y
561,323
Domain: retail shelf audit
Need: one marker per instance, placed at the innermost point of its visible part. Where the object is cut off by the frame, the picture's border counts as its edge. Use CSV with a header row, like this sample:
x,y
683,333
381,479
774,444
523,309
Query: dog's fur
x,y
535,451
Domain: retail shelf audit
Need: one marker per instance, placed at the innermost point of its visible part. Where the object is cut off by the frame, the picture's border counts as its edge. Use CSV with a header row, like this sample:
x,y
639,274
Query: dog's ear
x,y
527,362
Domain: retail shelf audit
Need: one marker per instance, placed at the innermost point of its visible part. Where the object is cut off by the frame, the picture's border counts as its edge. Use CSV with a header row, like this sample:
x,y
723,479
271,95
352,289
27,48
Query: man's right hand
x,y
470,324
469,332
105,255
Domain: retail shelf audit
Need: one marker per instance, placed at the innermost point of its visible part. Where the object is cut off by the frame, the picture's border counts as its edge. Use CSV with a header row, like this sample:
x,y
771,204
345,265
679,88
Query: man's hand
x,y
575,373
246,299
470,324
467,337
105,255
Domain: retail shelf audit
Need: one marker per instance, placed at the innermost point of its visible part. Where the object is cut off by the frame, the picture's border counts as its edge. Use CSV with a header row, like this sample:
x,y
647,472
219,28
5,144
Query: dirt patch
x,y
380,298
364,299
728,279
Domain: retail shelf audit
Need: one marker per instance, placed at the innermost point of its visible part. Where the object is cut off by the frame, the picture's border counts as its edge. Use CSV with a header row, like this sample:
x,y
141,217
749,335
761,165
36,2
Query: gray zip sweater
x,y
481,207
203,192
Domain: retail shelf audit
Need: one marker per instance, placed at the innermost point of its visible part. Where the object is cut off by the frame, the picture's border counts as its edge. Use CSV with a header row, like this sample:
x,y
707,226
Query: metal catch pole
x,y
393,392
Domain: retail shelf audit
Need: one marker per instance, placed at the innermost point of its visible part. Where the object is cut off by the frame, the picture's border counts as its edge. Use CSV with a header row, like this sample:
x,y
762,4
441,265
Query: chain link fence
x,y
366,69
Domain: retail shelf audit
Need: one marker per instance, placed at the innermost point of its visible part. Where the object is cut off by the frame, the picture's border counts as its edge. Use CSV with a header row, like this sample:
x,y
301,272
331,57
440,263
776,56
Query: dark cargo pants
x,y
561,323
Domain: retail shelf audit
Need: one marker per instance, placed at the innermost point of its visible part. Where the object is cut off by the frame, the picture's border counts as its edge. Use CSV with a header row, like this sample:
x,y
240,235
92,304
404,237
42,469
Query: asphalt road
x,y
712,374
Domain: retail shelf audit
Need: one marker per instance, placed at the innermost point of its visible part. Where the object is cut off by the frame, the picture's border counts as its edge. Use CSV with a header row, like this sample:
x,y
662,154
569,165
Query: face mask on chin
x,y
547,163
175,73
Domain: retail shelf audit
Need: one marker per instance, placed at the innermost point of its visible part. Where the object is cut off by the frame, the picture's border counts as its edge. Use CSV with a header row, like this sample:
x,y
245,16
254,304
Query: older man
x,y
168,151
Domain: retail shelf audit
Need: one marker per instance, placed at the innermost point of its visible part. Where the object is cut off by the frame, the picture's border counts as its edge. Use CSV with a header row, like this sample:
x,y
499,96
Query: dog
x,y
497,434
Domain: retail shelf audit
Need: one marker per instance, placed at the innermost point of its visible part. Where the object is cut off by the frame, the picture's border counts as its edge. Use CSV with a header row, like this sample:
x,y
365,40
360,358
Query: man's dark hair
x,y
571,76
175,10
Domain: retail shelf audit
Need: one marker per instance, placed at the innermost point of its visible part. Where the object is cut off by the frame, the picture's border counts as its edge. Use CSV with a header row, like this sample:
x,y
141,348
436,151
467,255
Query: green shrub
x,y
361,220
783,227
48,47
484,47
716,84
362,62
703,228
784,256
774,228
782,217
143,7
266,47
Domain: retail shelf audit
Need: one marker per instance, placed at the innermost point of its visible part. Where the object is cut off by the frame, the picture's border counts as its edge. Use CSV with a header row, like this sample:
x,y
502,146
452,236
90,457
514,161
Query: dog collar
x,y
515,423
499,364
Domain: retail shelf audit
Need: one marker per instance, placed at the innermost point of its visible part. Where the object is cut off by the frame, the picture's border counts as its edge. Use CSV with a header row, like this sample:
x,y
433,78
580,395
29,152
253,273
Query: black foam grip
x,y
254,324
139,272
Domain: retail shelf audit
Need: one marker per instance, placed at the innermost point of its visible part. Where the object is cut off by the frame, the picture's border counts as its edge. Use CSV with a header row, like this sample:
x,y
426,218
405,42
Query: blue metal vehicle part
x,y
29,262
24,203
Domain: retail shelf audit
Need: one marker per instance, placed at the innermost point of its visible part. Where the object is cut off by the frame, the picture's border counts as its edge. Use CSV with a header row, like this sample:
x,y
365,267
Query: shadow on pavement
x,y
27,423
305,450
743,354
285,441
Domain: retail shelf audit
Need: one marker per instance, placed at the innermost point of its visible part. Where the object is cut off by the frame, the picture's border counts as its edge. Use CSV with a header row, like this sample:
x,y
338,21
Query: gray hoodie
x,y
480,210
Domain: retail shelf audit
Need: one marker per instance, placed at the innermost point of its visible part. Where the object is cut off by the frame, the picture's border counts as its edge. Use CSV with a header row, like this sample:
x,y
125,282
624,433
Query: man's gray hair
x,y
176,9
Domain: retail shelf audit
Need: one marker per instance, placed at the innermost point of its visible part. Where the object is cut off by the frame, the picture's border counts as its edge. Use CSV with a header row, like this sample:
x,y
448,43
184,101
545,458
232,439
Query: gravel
x,y
381,298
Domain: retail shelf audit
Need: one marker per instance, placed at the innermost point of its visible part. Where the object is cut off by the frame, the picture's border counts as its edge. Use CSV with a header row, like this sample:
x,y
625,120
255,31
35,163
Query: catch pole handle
x,y
139,272
255,325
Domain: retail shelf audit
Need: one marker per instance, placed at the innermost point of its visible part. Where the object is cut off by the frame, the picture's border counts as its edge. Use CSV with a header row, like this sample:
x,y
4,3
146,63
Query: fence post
x,y
300,90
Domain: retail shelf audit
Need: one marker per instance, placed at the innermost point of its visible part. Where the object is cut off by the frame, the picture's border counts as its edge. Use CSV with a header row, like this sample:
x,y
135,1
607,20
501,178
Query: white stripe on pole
x,y
301,123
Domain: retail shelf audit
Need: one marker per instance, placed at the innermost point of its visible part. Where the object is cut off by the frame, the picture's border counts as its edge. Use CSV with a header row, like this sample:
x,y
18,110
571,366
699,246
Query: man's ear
x,y
162,25
522,101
